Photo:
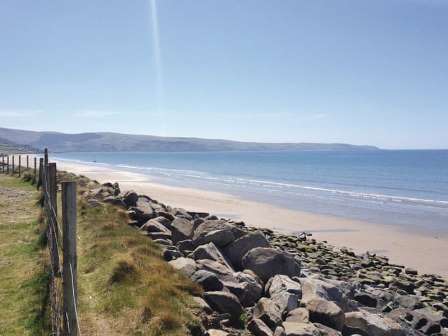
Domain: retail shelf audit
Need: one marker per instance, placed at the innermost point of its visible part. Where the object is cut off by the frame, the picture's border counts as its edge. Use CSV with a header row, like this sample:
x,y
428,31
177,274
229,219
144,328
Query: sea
x,y
408,188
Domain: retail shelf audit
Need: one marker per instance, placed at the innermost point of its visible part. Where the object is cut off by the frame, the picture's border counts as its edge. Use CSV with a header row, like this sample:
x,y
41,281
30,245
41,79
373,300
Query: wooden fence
x,y
61,239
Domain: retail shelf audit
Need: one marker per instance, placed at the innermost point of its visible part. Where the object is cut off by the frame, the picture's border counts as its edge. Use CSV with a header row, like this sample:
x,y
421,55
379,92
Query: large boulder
x,y
236,250
299,315
222,271
187,266
268,311
208,280
252,288
153,225
267,262
316,288
326,312
130,198
210,251
258,328
279,283
181,229
220,232
285,301
365,323
224,302
300,329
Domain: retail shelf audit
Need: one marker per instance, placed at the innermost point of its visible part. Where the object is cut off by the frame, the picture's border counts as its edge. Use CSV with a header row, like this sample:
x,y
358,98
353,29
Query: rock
x,y
130,198
285,301
154,225
187,266
258,328
236,250
300,329
222,272
326,312
208,280
267,311
313,287
280,283
185,245
224,302
159,235
365,323
326,331
279,331
171,253
299,315
181,229
210,251
267,262
219,232
366,299
426,320
201,304
252,288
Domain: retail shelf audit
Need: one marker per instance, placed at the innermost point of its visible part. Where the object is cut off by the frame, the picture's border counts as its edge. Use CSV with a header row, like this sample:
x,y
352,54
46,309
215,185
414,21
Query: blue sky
x,y
362,72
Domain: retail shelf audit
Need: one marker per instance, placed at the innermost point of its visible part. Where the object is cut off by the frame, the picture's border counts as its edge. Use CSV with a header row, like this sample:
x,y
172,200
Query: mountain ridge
x,y
121,142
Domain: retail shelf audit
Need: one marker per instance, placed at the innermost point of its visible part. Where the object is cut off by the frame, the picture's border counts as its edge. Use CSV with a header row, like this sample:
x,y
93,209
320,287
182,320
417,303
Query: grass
x,y
125,287
23,274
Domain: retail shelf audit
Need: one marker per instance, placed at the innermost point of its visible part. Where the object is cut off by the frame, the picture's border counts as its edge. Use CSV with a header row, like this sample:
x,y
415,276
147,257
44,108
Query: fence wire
x,y
58,317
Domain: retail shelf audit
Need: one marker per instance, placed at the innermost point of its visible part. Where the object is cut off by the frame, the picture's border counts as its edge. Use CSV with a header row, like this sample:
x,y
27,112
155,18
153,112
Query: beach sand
x,y
427,254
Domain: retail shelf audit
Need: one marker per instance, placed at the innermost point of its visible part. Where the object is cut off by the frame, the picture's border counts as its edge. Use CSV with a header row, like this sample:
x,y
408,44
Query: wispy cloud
x,y
97,114
17,113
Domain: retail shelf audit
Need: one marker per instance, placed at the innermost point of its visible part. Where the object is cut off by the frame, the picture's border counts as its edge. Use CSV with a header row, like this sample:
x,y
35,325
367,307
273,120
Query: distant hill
x,y
116,142
9,147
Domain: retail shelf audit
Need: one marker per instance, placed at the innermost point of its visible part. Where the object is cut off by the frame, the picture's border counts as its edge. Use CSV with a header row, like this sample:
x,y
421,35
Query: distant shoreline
x,y
424,252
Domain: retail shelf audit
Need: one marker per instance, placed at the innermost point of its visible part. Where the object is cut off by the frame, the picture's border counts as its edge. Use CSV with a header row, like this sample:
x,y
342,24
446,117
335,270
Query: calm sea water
x,y
394,187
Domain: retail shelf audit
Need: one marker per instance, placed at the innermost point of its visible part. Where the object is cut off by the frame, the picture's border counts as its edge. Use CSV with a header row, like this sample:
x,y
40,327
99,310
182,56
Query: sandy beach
x,y
428,254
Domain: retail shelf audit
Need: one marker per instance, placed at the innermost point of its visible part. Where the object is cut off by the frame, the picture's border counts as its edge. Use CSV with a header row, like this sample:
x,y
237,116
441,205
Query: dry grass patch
x,y
125,285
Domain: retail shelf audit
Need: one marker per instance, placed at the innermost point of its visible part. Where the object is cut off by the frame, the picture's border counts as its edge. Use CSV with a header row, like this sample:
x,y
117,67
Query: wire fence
x,y
61,243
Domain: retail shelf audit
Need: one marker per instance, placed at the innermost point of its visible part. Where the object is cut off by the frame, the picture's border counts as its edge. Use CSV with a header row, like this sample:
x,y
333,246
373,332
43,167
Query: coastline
x,y
424,252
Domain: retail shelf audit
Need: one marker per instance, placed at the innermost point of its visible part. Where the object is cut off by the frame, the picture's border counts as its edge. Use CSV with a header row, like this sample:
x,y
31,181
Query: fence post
x,y
35,170
7,165
41,173
13,165
3,163
20,163
70,290
45,156
50,186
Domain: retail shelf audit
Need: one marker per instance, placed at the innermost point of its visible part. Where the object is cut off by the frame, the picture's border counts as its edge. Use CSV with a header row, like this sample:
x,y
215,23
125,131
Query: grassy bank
x,y
23,275
125,287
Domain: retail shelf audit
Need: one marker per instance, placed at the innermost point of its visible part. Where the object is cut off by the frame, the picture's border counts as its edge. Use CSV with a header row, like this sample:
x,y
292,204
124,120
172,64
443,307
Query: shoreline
x,y
423,252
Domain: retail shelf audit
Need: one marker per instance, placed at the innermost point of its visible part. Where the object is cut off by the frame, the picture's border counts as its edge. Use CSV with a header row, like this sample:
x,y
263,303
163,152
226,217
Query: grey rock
x,y
210,251
363,322
181,229
222,272
300,329
327,331
279,331
187,266
326,312
219,232
299,315
130,198
252,288
236,250
208,280
267,311
267,262
285,301
280,283
258,328
224,302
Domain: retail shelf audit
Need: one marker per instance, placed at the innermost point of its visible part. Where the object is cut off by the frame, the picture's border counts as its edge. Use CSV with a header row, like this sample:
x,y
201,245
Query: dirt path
x,y
22,278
